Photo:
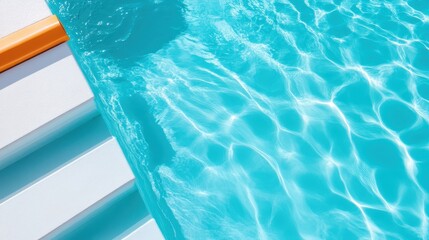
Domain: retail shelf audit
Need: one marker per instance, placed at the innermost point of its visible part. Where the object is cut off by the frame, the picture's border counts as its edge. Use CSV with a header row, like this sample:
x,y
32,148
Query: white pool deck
x,y
40,100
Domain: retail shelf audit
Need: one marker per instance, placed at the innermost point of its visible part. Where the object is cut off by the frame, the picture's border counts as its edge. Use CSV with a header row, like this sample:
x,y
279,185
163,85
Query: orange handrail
x,y
30,41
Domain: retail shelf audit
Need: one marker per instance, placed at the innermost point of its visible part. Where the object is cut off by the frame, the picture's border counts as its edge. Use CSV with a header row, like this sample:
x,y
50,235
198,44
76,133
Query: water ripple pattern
x,y
250,119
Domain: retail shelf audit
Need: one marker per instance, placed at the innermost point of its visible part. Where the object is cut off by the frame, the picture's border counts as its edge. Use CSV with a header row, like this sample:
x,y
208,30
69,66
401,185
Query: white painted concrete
x,y
148,231
38,98
58,198
17,14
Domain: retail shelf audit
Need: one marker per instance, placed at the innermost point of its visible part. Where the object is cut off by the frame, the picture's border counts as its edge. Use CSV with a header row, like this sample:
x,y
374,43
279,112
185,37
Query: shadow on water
x,y
135,107
127,29
155,25
123,33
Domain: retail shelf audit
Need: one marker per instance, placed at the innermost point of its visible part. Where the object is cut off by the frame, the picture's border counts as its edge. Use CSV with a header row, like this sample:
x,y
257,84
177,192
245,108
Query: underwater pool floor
x,y
266,119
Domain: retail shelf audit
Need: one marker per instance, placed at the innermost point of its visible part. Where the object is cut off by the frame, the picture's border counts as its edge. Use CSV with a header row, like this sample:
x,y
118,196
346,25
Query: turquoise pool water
x,y
266,119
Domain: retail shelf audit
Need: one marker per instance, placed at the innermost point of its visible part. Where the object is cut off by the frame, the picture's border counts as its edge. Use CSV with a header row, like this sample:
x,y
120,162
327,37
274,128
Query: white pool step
x,y
63,195
39,98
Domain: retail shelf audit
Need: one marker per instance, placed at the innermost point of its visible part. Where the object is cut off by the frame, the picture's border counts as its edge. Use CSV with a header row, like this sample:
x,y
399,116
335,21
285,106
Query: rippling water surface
x,y
256,119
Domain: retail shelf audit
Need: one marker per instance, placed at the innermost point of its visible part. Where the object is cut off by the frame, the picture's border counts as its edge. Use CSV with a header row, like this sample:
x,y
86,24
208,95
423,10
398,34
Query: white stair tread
x,y
56,199
39,97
